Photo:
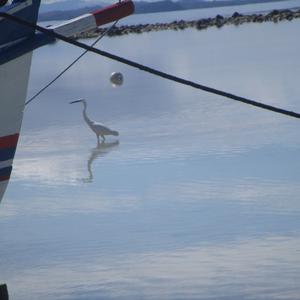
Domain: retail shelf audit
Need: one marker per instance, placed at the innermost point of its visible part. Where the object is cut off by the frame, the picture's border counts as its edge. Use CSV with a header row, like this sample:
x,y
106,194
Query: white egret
x,y
98,128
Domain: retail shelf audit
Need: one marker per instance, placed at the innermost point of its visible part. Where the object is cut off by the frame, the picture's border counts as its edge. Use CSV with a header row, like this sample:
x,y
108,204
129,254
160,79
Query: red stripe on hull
x,y
9,141
4,178
113,12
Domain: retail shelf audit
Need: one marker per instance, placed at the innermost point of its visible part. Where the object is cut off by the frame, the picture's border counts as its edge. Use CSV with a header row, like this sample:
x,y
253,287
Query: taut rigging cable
x,y
70,65
151,70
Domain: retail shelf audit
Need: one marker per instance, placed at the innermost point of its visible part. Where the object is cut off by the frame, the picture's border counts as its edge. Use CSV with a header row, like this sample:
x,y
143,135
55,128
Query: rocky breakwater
x,y
201,24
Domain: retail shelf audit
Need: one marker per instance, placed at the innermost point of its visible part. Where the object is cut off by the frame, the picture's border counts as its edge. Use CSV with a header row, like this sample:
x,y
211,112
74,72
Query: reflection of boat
x,y
3,292
16,45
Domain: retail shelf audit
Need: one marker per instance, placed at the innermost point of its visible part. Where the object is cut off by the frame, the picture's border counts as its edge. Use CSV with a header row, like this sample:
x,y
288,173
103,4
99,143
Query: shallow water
x,y
197,199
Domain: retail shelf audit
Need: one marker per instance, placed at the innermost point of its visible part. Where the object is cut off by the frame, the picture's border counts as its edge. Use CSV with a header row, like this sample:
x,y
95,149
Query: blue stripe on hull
x,y
32,43
5,171
10,31
6,154
4,176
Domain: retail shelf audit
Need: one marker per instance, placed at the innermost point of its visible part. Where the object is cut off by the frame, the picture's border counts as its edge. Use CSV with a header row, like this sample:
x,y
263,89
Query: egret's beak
x,y
76,101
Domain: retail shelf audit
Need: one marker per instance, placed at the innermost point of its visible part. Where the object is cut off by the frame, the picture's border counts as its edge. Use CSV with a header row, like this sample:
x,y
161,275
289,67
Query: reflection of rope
x,y
151,70
70,65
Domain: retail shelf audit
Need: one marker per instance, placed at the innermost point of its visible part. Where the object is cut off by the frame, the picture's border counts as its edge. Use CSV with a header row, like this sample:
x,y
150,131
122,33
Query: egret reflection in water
x,y
101,150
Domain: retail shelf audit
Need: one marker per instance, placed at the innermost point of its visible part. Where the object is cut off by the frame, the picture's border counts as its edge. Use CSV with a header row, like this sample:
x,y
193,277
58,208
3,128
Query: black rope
x,y
151,70
70,65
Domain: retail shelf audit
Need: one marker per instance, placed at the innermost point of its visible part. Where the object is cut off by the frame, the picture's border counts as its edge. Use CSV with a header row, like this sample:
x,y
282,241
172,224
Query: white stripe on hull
x,y
6,163
14,76
77,25
9,44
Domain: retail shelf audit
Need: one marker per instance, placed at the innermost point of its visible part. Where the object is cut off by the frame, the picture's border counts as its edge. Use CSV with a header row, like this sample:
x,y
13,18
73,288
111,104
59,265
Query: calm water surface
x,y
198,198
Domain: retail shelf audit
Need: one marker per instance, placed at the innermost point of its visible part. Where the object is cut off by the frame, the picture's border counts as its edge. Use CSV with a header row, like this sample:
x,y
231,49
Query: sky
x,y
108,1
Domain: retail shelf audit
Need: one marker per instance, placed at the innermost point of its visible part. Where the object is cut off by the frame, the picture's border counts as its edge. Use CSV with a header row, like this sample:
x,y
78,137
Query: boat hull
x,y
14,77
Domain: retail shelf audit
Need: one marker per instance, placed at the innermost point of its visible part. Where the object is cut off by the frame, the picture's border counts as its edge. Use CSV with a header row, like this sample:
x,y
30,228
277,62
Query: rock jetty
x,y
201,24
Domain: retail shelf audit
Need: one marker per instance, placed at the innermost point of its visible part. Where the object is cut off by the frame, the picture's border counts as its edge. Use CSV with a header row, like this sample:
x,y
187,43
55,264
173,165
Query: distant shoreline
x,y
201,24
62,10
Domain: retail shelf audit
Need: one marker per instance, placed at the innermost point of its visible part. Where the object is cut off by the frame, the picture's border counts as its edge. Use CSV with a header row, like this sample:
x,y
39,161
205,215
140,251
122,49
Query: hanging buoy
x,y
116,78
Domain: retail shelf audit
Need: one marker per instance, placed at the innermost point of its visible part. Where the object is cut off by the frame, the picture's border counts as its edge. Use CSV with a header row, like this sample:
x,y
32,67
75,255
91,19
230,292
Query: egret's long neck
x,y
86,118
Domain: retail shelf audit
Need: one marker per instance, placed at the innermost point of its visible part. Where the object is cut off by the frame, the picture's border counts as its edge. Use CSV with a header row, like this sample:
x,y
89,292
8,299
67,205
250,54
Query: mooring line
x,y
152,70
70,65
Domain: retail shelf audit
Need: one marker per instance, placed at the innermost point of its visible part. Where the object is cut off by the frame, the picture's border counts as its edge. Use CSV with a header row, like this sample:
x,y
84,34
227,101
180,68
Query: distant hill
x,y
69,5
142,7
68,9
